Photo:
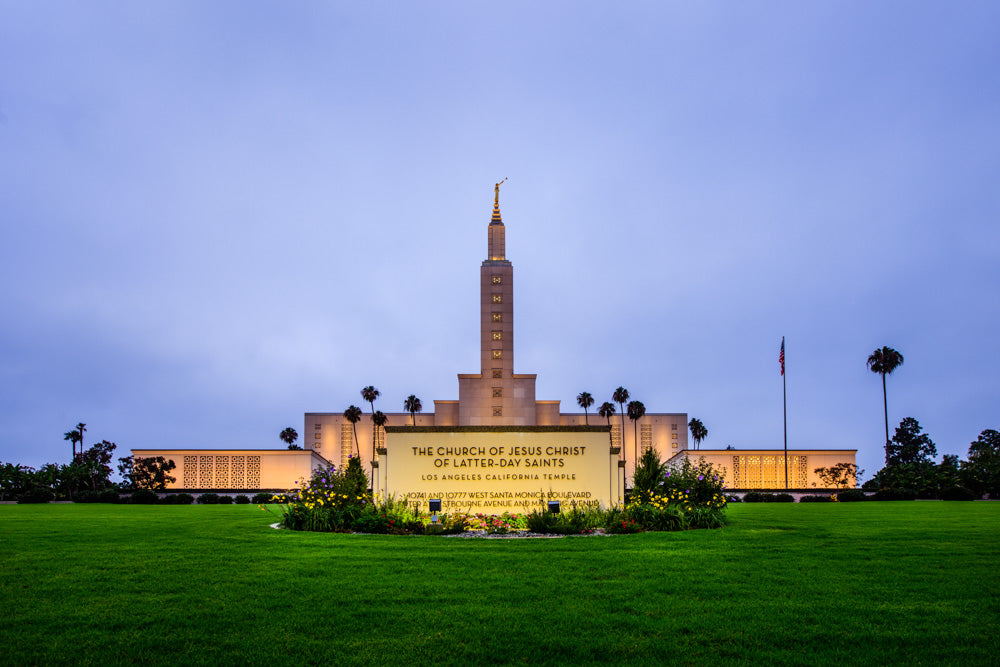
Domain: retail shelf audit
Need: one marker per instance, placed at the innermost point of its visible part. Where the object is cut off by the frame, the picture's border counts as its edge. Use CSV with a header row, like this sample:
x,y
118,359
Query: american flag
x,y
781,355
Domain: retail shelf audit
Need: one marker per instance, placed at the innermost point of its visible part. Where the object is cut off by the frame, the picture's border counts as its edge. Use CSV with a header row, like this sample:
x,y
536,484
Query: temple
x,y
494,397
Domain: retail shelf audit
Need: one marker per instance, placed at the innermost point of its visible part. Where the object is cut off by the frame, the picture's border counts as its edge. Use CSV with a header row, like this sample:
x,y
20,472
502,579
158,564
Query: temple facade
x,y
495,396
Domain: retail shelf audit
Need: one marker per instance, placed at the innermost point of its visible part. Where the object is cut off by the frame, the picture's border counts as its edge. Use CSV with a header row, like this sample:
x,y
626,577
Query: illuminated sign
x,y
504,470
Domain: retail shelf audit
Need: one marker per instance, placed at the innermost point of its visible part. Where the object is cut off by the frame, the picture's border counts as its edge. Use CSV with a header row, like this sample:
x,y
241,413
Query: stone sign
x,y
496,470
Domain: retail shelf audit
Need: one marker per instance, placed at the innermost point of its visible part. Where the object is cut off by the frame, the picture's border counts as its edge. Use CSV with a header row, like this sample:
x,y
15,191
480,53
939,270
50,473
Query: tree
x,y
15,479
95,462
909,445
370,393
76,436
607,410
635,412
378,421
698,431
289,436
841,475
884,361
981,473
353,415
919,478
49,476
413,406
585,400
649,471
619,397
150,472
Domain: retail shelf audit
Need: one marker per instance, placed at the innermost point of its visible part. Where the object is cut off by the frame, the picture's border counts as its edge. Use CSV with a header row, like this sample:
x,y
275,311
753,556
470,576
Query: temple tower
x,y
495,395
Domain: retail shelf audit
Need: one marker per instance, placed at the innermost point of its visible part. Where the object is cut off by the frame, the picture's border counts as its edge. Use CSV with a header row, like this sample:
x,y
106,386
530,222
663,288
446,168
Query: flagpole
x,y
784,407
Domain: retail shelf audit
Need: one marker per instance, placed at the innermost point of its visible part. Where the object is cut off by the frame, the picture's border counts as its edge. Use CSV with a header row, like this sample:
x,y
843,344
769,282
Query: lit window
x,y
497,411
497,336
497,373
497,354
497,280
497,298
497,317
673,436
497,392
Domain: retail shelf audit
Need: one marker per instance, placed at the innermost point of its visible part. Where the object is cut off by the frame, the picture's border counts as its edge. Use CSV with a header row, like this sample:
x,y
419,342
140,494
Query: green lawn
x,y
814,584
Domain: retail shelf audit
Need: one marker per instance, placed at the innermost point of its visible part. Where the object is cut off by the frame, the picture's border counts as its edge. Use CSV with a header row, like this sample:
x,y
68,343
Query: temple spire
x,y
496,203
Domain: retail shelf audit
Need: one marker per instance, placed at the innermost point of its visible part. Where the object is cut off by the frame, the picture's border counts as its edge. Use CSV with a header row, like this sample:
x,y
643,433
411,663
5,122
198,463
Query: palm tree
x,y
884,361
619,397
370,393
585,400
76,436
378,420
607,410
635,412
413,406
698,431
289,436
353,415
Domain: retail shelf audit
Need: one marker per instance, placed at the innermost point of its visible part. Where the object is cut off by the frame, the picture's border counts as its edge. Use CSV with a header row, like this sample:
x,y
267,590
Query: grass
x,y
820,584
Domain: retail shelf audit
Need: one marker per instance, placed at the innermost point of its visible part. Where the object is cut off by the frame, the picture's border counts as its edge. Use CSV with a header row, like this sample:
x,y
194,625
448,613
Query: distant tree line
x,y
87,474
911,472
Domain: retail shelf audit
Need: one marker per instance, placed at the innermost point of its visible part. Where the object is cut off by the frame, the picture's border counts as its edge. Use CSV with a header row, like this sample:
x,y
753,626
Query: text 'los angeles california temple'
x,y
495,400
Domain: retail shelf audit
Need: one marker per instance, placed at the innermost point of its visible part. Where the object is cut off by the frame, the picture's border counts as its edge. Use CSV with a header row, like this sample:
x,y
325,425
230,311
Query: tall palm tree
x,y
289,436
635,412
412,405
370,393
698,431
884,361
353,415
607,410
76,436
585,400
378,421
619,397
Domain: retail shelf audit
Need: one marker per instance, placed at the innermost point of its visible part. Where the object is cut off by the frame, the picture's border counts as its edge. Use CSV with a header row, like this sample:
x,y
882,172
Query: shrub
x,y
208,499
177,499
225,500
36,495
816,499
619,524
144,497
895,494
87,496
957,493
762,497
575,521
337,501
706,517
851,496
733,499
497,524
241,500
700,482
261,498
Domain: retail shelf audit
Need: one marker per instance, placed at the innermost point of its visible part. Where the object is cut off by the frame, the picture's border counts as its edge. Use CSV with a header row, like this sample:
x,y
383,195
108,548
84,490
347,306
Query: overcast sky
x,y
217,216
